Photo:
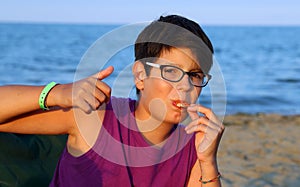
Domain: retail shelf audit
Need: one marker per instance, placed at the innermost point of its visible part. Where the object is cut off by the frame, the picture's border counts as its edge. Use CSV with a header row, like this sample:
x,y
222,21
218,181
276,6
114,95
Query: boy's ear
x,y
139,74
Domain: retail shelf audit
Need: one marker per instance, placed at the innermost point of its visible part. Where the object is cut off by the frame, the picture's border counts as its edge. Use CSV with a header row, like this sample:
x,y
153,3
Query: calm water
x,y
260,65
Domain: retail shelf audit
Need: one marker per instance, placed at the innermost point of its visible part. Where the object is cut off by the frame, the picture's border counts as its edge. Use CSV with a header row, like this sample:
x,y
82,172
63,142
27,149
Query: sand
x,y
260,150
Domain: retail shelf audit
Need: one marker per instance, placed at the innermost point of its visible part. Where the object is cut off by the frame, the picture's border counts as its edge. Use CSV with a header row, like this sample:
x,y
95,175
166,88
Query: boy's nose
x,y
185,84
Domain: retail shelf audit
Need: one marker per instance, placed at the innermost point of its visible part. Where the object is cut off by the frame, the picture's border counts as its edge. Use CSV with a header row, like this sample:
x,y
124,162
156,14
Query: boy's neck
x,y
155,132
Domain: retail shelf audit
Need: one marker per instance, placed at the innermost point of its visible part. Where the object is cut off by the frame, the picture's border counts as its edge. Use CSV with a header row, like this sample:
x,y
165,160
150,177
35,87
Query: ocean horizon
x,y
259,65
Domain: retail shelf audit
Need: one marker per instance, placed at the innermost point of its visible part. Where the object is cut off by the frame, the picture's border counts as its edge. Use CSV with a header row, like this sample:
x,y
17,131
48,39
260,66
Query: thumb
x,y
104,73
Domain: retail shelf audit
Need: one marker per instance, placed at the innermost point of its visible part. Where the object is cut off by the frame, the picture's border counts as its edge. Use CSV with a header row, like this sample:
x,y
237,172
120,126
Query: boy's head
x,y
169,32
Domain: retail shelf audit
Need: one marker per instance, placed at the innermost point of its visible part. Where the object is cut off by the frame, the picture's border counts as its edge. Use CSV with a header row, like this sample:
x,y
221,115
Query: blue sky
x,y
214,12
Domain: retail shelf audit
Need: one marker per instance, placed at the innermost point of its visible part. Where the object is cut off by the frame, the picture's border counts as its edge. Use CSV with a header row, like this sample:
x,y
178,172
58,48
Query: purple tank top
x,y
122,157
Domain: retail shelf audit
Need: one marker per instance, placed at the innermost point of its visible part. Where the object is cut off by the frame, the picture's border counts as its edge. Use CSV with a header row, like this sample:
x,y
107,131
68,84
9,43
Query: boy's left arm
x,y
210,170
208,130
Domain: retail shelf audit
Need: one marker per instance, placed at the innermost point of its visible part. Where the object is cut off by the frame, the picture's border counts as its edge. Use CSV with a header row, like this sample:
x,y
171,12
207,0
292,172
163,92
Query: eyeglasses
x,y
175,74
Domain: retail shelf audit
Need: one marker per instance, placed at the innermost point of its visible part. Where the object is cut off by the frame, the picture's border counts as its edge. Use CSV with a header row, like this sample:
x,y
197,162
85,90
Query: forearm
x,y
87,94
20,111
207,172
17,100
56,121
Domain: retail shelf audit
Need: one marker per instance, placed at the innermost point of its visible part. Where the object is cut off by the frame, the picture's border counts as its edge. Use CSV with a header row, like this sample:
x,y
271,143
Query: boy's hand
x,y
87,94
208,129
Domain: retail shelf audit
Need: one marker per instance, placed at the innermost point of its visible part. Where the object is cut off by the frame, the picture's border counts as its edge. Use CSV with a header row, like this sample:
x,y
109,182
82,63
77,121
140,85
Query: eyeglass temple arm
x,y
153,65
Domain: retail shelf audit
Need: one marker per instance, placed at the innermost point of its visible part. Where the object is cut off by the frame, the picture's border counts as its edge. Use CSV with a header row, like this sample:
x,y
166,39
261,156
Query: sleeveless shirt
x,y
122,157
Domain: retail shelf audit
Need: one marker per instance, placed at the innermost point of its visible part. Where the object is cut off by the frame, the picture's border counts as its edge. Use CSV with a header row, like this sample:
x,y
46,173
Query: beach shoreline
x,y
260,150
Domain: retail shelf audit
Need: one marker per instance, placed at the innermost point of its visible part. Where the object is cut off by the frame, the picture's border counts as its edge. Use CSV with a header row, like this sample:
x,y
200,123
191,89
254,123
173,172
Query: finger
x,y
90,99
103,88
207,112
193,123
96,96
94,92
192,113
104,73
84,106
198,128
203,120
195,108
101,97
83,98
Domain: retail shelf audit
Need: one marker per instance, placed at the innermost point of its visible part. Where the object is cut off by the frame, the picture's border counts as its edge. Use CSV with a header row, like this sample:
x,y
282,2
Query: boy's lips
x,y
180,104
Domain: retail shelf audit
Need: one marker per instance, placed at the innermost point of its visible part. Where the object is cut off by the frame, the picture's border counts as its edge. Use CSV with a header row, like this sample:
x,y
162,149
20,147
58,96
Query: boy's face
x,y
161,98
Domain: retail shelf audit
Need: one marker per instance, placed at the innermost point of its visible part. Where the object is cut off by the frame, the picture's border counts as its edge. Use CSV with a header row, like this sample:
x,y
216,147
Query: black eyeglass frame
x,y
161,67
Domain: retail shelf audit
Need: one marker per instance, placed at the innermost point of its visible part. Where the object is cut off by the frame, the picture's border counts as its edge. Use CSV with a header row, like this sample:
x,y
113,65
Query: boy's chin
x,y
184,117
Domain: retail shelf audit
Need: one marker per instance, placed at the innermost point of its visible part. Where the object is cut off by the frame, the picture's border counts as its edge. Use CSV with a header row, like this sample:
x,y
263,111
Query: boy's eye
x,y
171,70
196,75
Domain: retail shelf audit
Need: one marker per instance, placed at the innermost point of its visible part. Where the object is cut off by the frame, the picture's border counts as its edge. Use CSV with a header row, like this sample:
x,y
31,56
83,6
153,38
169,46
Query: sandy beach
x,y
260,150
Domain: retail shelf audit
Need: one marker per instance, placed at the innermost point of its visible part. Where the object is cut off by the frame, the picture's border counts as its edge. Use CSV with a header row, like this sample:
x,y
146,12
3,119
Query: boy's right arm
x,y
17,100
20,113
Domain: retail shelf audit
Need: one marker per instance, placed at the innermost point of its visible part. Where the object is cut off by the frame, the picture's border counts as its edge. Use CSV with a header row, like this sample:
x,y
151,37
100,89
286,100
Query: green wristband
x,y
44,95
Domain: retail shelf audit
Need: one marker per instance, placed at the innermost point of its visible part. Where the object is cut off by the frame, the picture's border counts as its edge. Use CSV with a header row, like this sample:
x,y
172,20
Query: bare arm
x,y
209,170
20,113
17,100
195,176
38,122
209,130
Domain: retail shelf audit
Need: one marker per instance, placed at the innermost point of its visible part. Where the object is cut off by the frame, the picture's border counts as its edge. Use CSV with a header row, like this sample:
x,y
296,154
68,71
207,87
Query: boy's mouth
x,y
181,104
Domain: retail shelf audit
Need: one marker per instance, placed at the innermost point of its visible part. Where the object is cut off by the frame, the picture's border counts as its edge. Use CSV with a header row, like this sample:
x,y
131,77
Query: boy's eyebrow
x,y
198,69
195,68
178,65
172,64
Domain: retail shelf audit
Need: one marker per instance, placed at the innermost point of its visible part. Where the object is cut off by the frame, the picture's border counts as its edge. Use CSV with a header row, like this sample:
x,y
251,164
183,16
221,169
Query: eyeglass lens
x,y
175,74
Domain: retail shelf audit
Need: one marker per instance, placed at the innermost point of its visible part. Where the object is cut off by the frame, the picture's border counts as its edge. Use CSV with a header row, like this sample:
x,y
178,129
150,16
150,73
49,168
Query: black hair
x,y
173,31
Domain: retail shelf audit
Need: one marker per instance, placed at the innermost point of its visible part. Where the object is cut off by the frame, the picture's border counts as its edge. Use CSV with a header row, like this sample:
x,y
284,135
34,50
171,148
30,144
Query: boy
x,y
113,141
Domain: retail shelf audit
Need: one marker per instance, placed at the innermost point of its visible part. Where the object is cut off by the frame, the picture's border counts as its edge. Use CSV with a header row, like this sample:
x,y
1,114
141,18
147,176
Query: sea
x,y
256,68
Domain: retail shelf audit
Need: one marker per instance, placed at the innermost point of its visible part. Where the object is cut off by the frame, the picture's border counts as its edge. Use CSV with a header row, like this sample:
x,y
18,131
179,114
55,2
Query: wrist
x,y
207,166
208,162
215,179
209,169
53,96
44,95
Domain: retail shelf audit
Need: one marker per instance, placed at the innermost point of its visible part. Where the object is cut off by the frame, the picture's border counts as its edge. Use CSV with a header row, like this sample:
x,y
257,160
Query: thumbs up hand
x,y
87,94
